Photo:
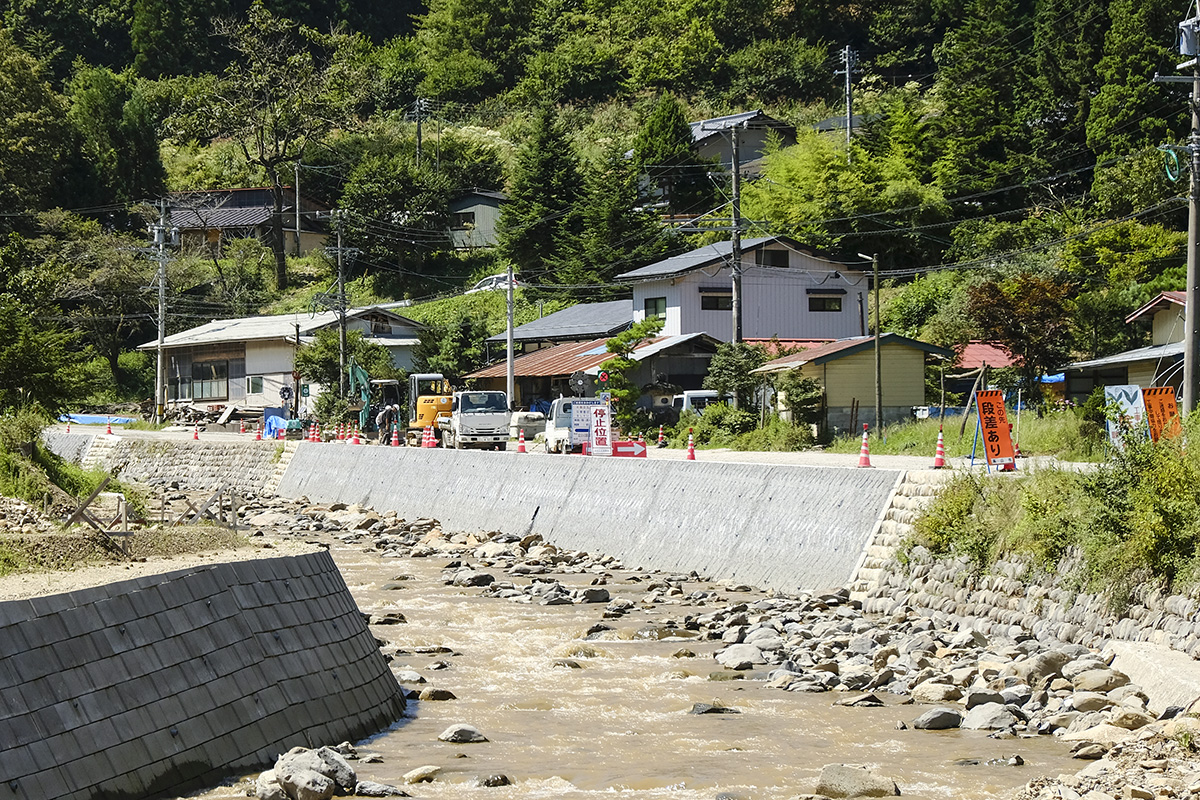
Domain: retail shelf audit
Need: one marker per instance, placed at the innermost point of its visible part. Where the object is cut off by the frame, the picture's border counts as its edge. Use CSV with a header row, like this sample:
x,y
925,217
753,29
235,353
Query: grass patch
x,y
1064,434
1132,524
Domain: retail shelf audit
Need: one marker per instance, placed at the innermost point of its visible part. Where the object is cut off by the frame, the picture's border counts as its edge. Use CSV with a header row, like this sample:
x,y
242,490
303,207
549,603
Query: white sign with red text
x,y
600,442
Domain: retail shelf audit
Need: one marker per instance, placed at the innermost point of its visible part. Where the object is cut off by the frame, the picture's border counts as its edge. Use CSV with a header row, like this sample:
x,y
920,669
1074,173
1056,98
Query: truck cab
x,y
558,426
477,419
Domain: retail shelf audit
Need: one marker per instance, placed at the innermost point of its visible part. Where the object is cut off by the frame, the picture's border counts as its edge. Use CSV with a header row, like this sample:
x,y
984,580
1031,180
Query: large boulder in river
x,y
314,774
934,692
740,656
1040,666
938,719
840,780
1099,680
461,733
989,717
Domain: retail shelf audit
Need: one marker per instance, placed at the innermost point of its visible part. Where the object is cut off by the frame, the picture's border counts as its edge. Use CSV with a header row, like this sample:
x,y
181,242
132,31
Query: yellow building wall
x,y
902,371
1141,373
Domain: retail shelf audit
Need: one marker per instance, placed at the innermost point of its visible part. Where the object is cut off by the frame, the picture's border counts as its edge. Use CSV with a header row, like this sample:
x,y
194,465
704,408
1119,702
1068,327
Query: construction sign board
x,y
629,449
1131,411
581,419
1162,412
993,422
600,442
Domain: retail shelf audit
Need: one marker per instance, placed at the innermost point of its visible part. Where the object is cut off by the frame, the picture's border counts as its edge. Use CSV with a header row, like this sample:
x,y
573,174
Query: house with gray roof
x,y
246,362
711,137
788,292
581,322
211,219
473,218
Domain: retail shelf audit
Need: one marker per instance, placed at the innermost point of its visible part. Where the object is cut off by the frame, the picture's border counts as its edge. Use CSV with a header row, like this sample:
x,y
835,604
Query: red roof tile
x,y
977,353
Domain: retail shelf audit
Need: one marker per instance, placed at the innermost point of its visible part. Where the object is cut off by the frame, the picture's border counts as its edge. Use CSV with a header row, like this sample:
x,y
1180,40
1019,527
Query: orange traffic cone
x,y
691,456
661,440
864,453
196,432
1016,447
354,438
108,427
521,441
426,437
395,435
641,439
68,424
258,433
939,458
241,426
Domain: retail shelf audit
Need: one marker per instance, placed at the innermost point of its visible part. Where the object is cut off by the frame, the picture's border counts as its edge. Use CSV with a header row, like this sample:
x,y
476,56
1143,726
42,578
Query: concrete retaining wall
x,y
783,527
203,465
165,682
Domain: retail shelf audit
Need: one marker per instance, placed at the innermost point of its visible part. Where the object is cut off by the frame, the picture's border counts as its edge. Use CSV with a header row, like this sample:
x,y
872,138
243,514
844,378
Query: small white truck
x,y
477,420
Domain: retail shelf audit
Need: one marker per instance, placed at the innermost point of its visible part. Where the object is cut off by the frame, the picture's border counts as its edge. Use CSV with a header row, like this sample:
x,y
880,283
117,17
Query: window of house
x,y
462,220
825,303
656,307
771,258
210,380
254,384
716,302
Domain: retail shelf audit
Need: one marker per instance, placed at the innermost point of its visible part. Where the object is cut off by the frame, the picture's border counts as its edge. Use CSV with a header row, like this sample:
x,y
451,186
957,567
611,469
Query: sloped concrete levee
x,y
169,681
782,527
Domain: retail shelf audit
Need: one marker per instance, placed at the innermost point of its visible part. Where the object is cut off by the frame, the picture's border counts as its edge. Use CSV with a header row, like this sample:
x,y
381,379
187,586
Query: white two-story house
x,y
787,292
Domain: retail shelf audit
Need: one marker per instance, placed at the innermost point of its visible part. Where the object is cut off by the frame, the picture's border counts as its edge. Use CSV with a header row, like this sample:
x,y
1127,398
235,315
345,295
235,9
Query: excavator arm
x,y
360,382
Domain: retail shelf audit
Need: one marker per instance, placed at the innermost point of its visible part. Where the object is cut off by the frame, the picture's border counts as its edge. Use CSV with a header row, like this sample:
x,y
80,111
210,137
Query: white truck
x,y
477,419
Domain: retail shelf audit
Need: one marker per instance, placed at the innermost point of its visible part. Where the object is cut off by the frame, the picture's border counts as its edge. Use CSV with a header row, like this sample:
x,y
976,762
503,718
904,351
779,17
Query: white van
x,y
558,426
695,401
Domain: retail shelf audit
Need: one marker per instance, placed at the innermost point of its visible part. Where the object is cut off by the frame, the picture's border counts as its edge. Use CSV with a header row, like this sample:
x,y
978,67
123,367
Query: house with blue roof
x,y
788,292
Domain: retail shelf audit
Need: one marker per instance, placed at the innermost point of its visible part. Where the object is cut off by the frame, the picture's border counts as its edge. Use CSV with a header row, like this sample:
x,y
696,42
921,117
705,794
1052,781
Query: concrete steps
x,y
285,458
916,490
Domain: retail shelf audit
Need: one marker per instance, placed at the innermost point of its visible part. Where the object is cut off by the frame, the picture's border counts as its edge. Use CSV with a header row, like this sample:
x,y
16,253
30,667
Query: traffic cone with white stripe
x,y
196,432
317,431
939,458
427,437
395,435
691,456
258,433
661,441
864,453
68,424
241,426
521,441
355,439
108,427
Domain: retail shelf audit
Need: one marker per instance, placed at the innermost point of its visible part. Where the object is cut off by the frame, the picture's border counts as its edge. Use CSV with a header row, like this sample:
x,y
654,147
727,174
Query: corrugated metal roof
x,y
1171,351
585,320
706,128
695,259
823,354
570,357
773,345
977,353
279,326
219,218
1157,304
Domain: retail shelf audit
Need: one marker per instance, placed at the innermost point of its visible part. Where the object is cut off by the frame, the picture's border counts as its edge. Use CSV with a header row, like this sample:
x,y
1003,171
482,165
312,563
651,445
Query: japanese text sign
x,y
1162,412
993,422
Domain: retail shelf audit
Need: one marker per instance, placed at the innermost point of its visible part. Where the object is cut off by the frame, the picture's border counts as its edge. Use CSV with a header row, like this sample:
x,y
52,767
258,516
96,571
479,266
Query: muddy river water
x,y
618,724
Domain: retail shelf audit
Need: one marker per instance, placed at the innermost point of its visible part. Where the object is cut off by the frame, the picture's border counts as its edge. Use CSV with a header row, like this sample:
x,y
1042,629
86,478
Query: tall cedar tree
x,y
617,236
663,152
1130,110
543,218
982,85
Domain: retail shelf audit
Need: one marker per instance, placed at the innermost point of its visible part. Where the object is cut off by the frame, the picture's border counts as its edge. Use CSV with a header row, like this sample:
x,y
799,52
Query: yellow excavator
x,y
430,395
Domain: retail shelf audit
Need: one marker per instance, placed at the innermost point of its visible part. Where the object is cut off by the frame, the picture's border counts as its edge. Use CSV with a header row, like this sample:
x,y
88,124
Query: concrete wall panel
x,y
177,680
786,527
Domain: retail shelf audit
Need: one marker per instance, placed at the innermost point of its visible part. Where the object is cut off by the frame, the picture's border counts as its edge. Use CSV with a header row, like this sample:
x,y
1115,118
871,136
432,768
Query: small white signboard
x,y
581,419
601,434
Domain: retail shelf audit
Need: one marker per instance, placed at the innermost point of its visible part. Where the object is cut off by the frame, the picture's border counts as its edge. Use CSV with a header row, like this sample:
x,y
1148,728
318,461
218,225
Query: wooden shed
x,y
845,368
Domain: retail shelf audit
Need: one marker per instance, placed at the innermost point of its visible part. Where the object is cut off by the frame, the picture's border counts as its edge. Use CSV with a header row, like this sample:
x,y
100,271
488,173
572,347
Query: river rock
x,y
324,761
267,787
740,657
473,578
933,692
708,708
432,694
461,733
938,719
373,789
1089,701
1040,666
840,780
498,779
979,697
423,774
594,594
306,784
1099,734
1099,680
1130,719
989,717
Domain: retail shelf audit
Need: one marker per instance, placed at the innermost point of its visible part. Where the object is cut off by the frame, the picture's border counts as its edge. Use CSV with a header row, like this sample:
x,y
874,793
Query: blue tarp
x,y
94,419
273,426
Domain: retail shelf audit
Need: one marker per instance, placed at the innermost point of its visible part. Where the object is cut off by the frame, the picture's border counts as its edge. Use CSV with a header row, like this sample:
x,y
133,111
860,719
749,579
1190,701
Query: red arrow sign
x,y
629,449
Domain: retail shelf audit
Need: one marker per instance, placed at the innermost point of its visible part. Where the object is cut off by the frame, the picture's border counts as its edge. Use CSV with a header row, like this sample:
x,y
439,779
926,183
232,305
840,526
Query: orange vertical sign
x,y
1162,413
993,421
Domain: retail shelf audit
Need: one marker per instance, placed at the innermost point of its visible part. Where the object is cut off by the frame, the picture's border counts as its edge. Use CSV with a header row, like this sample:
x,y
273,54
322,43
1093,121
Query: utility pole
x,y
510,385
878,356
296,200
160,239
341,309
1189,45
850,59
736,239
